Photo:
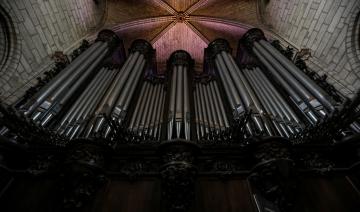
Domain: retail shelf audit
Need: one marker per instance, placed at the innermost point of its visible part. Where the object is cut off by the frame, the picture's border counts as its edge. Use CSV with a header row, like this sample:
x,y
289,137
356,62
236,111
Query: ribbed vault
x,y
176,24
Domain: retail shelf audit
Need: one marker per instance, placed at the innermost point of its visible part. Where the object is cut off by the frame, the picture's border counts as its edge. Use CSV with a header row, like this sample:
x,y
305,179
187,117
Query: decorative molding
x,y
197,32
165,6
196,6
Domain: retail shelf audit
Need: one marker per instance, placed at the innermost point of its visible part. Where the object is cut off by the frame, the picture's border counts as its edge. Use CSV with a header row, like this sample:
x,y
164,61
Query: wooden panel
x,y
138,196
32,194
213,195
181,5
179,37
330,195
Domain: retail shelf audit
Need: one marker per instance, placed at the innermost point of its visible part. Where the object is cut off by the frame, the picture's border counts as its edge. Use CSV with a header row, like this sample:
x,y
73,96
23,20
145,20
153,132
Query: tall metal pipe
x,y
151,112
136,114
91,102
45,91
143,105
179,105
288,112
213,109
172,109
186,115
107,40
80,102
316,90
140,51
146,114
209,114
160,115
199,110
155,114
221,105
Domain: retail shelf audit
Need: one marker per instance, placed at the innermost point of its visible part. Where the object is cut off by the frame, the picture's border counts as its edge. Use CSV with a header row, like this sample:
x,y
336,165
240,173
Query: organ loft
x,y
180,105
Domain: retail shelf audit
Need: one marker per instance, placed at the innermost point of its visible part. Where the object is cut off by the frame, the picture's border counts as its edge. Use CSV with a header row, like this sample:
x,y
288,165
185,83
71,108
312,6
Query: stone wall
x,y
41,27
330,28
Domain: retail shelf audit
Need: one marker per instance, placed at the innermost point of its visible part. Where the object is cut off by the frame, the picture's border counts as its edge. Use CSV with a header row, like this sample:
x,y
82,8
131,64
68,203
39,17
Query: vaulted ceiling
x,y
181,24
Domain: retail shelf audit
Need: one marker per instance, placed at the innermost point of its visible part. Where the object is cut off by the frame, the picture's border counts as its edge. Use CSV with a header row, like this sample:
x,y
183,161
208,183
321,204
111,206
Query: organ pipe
x,y
179,114
307,95
115,103
51,98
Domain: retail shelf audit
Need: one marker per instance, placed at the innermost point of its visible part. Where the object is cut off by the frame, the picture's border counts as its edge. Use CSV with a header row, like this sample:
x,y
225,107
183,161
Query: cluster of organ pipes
x,y
210,114
93,98
179,99
147,116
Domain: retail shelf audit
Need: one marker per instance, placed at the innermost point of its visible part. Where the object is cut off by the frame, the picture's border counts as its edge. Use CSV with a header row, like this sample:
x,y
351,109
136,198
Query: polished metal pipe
x,y
293,95
80,102
203,89
112,93
179,101
215,107
287,111
145,114
156,106
267,102
222,108
186,114
237,79
278,77
142,106
72,83
316,90
160,114
56,101
132,89
92,101
227,81
126,92
301,90
197,118
45,91
99,94
151,112
136,112
172,108
203,110
199,109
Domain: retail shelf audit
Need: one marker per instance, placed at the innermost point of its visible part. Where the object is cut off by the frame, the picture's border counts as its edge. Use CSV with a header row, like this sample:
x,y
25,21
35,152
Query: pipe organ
x,y
92,99
259,112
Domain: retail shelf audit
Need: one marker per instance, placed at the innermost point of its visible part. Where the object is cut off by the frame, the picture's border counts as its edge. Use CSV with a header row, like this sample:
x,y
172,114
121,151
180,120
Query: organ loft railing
x,y
99,105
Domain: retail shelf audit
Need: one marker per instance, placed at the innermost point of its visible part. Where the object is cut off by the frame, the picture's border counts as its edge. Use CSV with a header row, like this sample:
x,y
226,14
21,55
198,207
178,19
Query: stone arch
x,y
353,41
11,47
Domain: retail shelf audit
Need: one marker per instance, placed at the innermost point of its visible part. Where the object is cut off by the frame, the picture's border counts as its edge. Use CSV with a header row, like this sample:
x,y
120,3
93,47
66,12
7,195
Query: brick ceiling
x,y
181,24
